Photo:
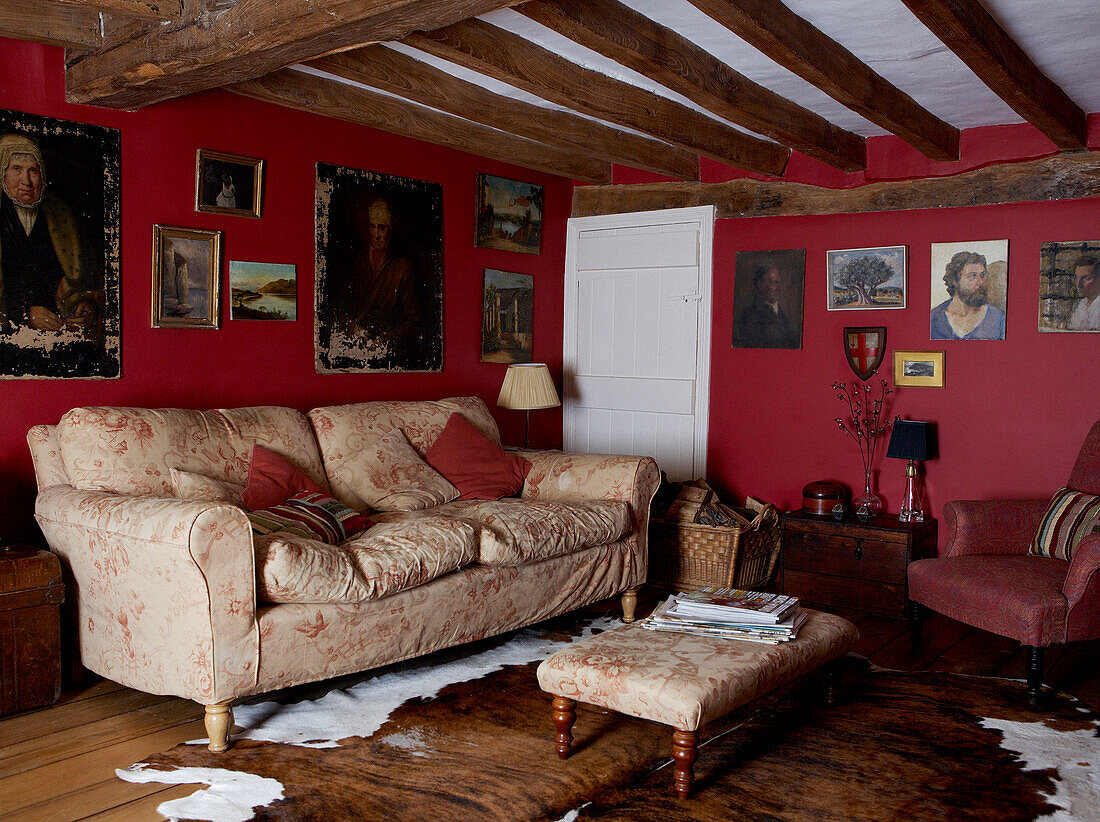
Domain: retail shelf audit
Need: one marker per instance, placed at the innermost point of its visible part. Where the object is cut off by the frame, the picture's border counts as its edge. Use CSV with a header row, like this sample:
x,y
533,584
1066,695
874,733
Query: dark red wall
x,y
256,363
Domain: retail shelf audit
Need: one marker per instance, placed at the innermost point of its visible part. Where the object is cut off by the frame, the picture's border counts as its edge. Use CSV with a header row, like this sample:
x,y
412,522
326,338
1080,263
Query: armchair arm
x,y
991,526
1082,590
165,590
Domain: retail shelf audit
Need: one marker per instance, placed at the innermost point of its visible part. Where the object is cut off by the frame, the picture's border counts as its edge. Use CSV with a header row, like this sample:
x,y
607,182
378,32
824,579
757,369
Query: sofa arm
x,y
1082,590
165,590
991,526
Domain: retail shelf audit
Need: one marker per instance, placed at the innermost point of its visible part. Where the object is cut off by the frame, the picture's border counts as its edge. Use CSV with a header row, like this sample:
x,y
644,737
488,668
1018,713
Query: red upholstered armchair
x,y
986,578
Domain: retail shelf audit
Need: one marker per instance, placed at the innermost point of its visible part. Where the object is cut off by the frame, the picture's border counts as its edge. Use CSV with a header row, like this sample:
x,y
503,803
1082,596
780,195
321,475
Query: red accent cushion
x,y
478,467
271,479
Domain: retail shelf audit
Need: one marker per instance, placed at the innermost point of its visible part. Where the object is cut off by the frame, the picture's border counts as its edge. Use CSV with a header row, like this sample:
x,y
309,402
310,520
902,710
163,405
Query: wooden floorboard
x,y
59,763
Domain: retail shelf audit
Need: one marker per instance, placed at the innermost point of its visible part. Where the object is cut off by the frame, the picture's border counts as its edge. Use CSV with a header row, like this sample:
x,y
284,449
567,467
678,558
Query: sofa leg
x,y
218,720
1034,663
630,602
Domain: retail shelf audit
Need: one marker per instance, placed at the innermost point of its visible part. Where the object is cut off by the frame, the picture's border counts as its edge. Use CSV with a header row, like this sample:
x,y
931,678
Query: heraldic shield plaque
x,y
865,348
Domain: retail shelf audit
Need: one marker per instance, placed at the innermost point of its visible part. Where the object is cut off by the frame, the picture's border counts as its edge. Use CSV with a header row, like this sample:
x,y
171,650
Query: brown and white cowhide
x,y
467,735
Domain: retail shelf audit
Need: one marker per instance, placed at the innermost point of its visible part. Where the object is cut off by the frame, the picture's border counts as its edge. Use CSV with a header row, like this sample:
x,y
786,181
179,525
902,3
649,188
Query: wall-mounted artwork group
x,y
59,248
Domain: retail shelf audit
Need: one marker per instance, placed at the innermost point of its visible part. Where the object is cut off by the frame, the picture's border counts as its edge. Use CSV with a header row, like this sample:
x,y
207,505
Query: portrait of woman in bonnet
x,y
48,280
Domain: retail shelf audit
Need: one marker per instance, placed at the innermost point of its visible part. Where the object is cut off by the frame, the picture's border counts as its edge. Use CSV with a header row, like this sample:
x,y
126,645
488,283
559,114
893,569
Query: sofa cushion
x,y
272,479
345,430
515,531
132,450
1070,517
391,476
387,558
189,485
308,514
478,467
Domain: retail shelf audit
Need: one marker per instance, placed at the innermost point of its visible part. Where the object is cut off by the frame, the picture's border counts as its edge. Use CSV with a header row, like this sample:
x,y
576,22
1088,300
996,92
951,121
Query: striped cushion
x,y
1071,517
312,515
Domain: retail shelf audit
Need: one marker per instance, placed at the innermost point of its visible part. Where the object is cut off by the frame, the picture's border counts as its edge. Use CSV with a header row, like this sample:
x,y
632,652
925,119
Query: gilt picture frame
x,y
228,184
923,369
186,277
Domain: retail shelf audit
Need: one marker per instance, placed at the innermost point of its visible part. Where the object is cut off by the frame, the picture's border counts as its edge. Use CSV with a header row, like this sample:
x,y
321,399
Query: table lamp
x,y
527,386
915,441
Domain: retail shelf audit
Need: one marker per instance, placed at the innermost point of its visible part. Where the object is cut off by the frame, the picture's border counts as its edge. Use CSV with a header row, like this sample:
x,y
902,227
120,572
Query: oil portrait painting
x,y
969,290
379,286
507,317
767,298
509,214
263,291
59,249
1069,286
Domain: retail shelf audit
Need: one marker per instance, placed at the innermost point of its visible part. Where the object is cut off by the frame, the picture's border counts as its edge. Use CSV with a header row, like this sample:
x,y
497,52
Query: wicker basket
x,y
686,555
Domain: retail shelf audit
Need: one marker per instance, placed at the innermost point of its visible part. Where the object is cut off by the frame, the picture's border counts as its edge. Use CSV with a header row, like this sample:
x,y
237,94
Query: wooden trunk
x,y
31,593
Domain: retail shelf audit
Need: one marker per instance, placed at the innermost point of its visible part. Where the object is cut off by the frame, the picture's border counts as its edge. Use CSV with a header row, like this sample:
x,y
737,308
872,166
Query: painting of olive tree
x,y
860,278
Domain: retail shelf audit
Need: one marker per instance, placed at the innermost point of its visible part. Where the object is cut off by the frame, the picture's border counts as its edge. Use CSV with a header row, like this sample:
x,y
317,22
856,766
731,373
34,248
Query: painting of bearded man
x,y
974,282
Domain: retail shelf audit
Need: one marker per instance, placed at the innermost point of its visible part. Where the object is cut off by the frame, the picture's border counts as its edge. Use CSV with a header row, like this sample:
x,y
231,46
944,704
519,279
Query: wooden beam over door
x,y
391,71
786,38
1062,177
509,58
299,90
978,40
242,40
630,38
43,21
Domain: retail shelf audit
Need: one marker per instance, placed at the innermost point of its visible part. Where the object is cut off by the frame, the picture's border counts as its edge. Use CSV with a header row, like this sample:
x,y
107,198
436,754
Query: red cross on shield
x,y
865,348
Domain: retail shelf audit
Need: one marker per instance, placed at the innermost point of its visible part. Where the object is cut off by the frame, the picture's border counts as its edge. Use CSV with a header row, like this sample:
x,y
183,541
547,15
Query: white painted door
x,y
637,336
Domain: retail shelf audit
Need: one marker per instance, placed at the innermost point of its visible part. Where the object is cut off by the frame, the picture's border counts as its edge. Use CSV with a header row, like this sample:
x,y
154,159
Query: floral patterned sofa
x,y
179,596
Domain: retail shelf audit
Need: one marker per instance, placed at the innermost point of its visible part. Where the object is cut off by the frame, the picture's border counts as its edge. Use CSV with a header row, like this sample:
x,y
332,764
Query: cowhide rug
x,y
467,735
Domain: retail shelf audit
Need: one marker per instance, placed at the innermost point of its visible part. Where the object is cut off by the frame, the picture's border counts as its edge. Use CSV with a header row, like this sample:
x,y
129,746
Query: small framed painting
x,y
509,214
263,291
863,278
186,277
228,184
507,317
918,368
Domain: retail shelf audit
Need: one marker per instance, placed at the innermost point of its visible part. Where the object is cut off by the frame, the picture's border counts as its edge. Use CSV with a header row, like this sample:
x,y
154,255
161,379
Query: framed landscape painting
x,y
509,214
507,317
918,368
186,277
263,291
863,278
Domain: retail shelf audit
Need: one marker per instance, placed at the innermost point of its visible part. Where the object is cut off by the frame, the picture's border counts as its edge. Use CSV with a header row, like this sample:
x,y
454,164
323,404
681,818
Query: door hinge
x,y
687,298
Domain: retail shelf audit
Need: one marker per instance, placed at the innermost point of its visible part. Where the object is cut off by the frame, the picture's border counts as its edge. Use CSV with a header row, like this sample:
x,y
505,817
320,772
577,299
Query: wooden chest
x,y
850,564
31,593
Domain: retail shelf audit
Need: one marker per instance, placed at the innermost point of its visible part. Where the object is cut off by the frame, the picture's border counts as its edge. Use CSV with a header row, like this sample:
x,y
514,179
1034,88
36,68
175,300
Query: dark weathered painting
x,y
228,183
507,317
767,298
379,291
509,214
59,248
1069,286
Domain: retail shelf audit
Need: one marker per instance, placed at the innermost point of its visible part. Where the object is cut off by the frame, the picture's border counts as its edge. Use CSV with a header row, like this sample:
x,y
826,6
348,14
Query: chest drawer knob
x,y
859,550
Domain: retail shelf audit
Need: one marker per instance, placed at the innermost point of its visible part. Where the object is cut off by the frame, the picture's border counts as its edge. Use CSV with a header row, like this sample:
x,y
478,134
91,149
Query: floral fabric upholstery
x,y
383,560
132,450
686,681
391,476
1085,475
49,470
347,432
189,485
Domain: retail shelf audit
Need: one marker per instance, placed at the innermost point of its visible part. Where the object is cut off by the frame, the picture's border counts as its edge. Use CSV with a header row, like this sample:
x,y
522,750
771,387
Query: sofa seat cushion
x,y
189,485
385,559
516,531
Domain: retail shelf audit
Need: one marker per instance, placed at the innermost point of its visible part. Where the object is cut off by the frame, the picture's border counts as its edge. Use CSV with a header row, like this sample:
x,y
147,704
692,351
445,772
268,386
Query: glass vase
x,y
868,504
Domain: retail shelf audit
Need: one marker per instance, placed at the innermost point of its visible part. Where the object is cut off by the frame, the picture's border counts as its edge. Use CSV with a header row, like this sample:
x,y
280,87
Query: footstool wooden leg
x,y
684,744
630,602
565,714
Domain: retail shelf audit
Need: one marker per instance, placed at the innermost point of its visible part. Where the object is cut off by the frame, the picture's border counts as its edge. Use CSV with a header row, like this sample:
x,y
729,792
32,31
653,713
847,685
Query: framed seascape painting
x,y
379,288
767,298
186,277
509,214
59,237
918,368
228,184
1069,286
263,291
861,278
507,317
969,290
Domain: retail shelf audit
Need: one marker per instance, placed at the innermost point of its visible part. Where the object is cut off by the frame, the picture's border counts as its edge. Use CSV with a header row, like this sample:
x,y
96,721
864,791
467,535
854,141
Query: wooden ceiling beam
x,y
786,38
57,24
139,9
391,71
509,58
229,43
965,27
630,38
1061,177
329,98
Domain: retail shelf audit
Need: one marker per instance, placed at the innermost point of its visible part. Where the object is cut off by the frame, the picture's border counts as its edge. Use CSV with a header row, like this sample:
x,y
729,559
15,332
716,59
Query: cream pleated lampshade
x,y
528,386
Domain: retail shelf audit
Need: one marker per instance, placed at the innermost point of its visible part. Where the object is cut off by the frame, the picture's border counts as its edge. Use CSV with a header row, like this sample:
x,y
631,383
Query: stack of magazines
x,y
753,616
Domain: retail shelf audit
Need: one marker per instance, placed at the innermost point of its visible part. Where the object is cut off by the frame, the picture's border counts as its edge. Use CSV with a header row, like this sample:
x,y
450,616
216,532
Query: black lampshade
x,y
912,440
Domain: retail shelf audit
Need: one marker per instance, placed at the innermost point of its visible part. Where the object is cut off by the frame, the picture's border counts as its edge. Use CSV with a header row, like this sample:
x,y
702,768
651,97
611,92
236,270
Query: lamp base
x,y
911,510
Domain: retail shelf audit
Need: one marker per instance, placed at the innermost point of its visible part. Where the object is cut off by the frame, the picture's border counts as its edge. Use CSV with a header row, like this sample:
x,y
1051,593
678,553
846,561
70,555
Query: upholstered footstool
x,y
682,680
